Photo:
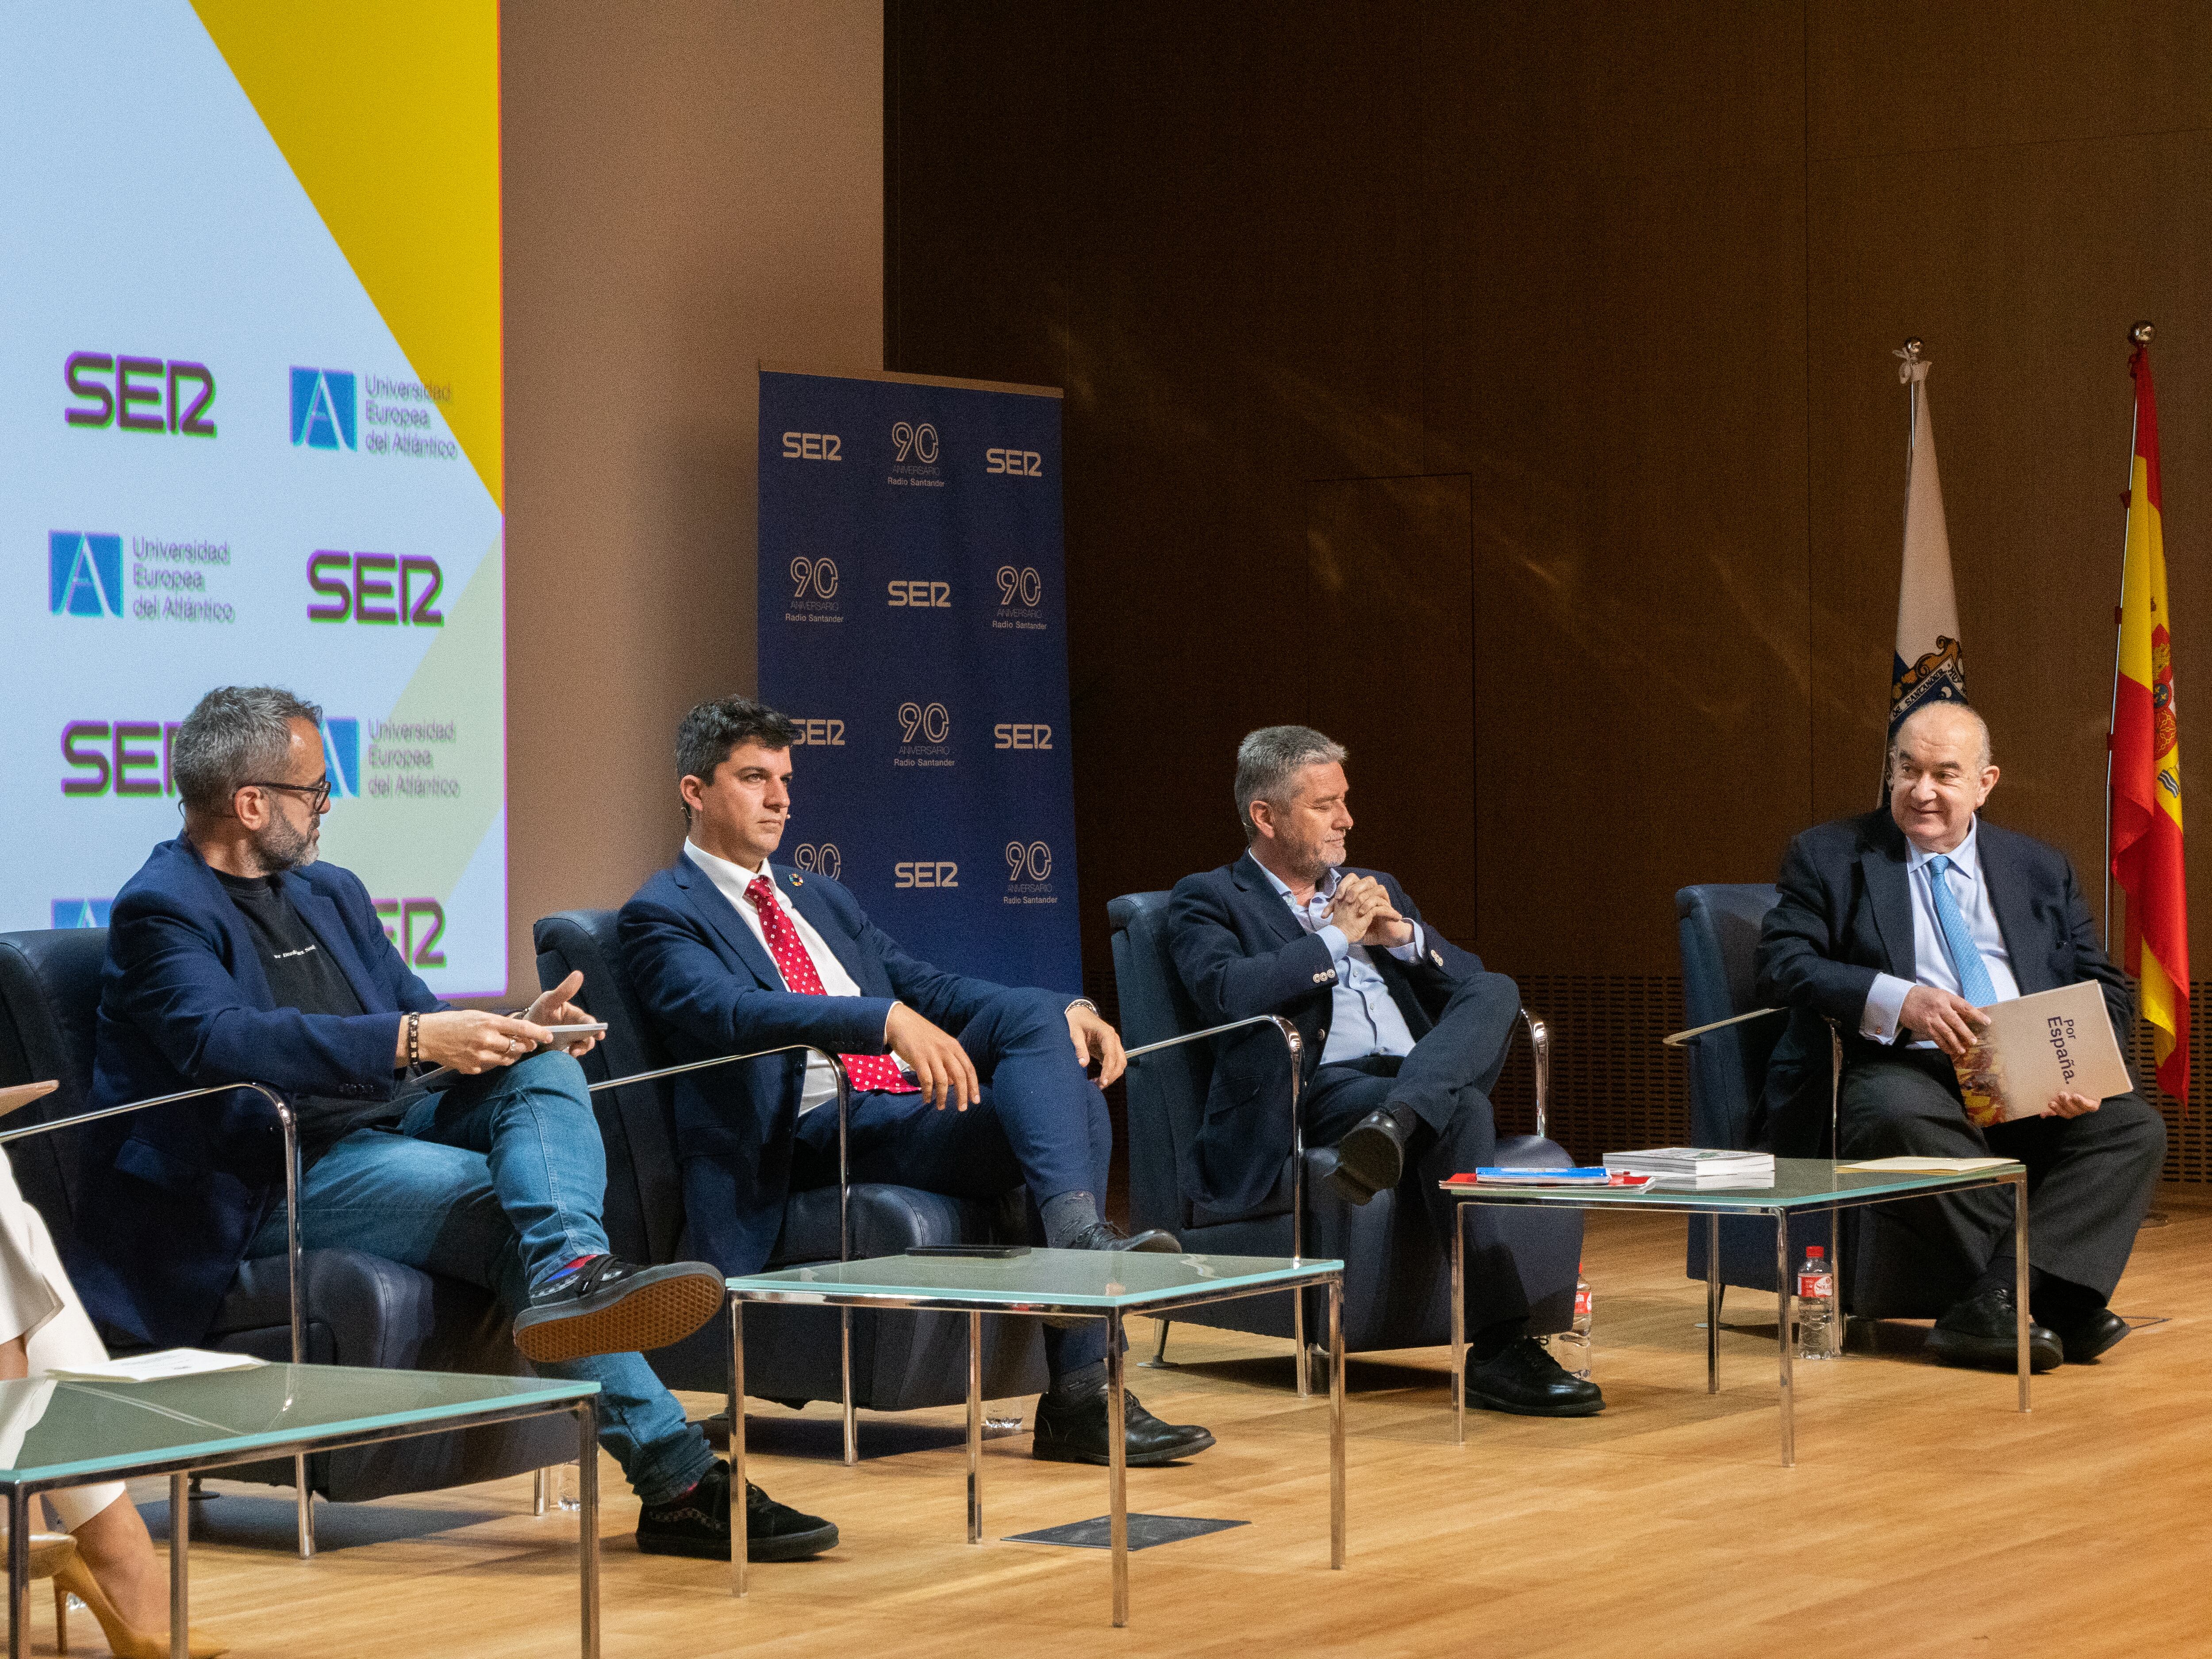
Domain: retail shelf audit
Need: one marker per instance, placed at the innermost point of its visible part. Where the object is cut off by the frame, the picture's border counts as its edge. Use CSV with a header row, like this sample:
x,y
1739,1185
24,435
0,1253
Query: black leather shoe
x,y
1105,1236
2085,1339
1074,1432
1369,1158
698,1524
1523,1378
1981,1331
611,1306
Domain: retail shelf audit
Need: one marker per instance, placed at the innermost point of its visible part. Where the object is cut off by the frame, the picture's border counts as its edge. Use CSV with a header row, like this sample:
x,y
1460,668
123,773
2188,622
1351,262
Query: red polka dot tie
x,y
871,1073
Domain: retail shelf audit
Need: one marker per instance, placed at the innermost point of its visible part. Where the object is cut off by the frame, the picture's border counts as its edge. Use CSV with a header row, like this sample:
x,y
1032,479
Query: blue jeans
x,y
498,1182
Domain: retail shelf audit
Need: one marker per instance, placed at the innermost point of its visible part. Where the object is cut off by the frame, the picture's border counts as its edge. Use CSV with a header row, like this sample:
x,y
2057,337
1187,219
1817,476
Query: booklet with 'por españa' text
x,y
2055,1042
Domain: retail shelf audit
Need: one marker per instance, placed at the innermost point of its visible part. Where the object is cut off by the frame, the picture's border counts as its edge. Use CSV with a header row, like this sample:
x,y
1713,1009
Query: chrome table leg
x,y
2020,1283
975,1428
1336,1423
1712,1304
19,1505
1459,1325
1117,1463
737,1562
180,1564
1782,1337
587,1522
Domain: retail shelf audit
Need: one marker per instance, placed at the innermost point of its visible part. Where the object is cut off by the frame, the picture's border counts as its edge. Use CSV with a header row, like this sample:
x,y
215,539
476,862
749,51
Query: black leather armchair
x,y
1397,1278
356,1309
899,1361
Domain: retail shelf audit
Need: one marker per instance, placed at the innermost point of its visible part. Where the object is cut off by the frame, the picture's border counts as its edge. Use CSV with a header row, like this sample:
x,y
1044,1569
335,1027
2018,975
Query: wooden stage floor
x,y
1925,1516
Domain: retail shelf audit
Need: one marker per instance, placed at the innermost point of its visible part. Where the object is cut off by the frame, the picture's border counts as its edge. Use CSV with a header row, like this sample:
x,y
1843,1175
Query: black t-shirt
x,y
302,975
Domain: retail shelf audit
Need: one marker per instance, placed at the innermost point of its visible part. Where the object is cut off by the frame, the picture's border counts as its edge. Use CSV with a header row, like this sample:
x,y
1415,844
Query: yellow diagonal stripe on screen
x,y
388,115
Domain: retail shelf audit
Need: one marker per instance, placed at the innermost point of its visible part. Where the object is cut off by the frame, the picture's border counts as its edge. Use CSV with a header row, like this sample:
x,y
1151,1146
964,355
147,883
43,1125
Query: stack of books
x,y
1695,1168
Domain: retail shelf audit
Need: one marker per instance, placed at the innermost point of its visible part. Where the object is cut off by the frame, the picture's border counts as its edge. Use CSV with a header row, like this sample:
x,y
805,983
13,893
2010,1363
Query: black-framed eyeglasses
x,y
317,794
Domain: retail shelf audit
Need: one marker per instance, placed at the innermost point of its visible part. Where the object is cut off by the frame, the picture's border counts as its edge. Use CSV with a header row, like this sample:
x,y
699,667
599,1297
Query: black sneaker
x,y
608,1305
698,1524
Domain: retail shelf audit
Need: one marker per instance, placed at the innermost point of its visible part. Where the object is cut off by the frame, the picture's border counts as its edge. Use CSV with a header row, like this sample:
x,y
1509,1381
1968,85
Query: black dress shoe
x,y
1369,1158
1105,1236
1523,1378
2085,1339
1073,1431
698,1524
611,1306
1982,1331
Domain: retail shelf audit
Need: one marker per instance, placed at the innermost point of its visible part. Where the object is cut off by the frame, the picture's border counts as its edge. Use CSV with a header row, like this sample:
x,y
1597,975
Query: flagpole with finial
x,y
1909,361
2138,337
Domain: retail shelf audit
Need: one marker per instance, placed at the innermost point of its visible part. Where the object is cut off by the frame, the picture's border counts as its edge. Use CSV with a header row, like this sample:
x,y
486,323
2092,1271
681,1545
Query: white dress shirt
x,y
1931,952
731,880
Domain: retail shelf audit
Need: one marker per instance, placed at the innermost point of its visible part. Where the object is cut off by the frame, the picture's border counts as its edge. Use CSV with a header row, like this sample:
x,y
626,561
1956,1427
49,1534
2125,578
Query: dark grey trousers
x,y
2090,1180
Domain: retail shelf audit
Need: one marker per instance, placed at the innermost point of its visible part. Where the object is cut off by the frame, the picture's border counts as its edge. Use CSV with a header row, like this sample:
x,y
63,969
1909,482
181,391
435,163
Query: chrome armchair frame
x,y
306,1496
1540,1047
852,1435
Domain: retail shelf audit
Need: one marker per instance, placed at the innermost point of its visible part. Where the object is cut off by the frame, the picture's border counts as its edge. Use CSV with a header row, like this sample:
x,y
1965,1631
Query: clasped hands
x,y
1363,912
1954,1024
471,1041
947,1076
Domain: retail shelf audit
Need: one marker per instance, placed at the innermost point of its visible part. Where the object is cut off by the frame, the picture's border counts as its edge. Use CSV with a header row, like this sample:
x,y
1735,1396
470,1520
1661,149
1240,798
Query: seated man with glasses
x,y
233,955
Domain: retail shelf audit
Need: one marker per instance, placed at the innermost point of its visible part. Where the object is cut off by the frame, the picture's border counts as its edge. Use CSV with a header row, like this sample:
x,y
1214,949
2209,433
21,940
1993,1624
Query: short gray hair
x,y
1963,711
1269,759
234,734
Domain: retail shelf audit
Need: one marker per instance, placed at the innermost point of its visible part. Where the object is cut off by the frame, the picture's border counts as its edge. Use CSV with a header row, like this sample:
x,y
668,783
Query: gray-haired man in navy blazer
x,y
1405,1036
1902,926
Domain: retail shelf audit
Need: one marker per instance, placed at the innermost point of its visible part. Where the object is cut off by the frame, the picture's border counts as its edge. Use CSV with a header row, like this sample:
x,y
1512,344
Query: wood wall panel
x,y
1635,273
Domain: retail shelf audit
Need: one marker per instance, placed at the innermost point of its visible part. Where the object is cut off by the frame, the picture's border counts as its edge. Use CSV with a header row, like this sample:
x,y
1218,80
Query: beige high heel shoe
x,y
124,1640
49,1553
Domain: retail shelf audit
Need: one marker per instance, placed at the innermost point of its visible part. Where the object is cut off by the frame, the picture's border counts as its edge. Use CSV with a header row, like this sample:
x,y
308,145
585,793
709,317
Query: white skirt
x,y
38,1301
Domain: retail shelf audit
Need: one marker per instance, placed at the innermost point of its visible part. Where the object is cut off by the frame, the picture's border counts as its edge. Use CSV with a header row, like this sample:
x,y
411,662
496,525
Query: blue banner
x,y
912,622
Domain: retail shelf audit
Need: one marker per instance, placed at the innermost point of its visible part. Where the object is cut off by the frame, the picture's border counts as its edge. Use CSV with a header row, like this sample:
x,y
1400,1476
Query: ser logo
x,y
930,722
132,757
818,858
84,574
817,734
926,873
176,395
918,442
813,447
1014,463
403,917
814,576
920,595
1030,862
376,587
324,408
1021,736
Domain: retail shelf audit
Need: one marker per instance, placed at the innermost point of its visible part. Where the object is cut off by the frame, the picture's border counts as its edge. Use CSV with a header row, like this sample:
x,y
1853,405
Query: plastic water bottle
x,y
1571,1348
1819,1329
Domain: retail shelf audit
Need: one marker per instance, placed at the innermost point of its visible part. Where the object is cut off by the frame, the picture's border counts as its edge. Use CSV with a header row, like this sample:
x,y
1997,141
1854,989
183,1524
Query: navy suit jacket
x,y
710,989
179,1191
1241,952
1845,913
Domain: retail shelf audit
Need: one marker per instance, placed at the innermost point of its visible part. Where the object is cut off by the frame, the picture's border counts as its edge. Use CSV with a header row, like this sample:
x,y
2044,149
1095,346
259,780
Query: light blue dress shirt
x,y
1931,955
1364,1019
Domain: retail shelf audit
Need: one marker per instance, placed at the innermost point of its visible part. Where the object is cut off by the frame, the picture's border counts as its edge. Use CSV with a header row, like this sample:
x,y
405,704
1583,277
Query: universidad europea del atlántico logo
x,y
84,574
324,408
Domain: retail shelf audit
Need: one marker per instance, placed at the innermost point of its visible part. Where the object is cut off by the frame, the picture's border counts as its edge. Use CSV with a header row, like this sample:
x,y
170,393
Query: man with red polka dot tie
x,y
960,1086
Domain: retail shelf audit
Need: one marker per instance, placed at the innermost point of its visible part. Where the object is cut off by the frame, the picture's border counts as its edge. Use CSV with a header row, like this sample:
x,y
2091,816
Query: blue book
x,y
1588,1175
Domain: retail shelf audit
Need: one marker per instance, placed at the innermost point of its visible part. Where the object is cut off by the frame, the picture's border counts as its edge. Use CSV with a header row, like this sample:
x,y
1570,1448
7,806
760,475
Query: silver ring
x,y
510,1045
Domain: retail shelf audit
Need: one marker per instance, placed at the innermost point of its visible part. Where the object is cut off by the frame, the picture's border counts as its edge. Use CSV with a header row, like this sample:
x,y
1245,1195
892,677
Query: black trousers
x,y
1446,1082
2090,1180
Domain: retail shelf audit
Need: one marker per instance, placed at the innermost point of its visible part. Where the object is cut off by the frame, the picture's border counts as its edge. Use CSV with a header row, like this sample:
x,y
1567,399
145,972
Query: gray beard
x,y
280,848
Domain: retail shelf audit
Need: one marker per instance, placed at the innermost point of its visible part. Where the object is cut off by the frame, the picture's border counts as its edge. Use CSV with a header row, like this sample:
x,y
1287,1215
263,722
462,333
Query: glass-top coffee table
x,y
57,1433
1801,1184
1106,1284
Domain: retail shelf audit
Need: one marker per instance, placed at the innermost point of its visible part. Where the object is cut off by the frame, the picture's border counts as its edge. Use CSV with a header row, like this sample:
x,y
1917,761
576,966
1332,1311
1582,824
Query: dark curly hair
x,y
712,730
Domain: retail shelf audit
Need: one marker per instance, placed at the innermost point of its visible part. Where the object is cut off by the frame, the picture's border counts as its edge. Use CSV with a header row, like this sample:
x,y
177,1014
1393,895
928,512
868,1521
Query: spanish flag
x,y
2146,763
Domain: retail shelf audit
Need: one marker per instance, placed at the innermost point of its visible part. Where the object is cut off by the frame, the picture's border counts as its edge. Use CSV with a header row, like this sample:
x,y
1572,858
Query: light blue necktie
x,y
1973,975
